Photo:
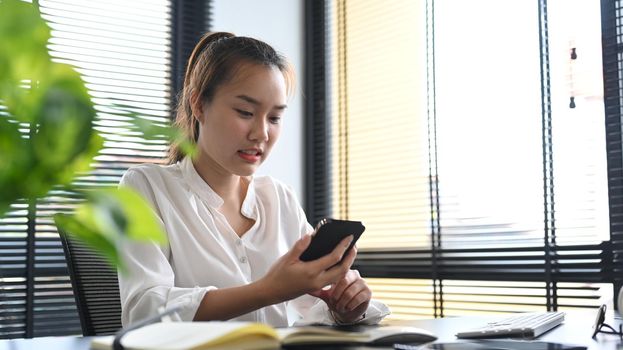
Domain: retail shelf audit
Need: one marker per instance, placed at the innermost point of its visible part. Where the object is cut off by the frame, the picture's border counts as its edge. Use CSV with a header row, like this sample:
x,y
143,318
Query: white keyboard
x,y
525,325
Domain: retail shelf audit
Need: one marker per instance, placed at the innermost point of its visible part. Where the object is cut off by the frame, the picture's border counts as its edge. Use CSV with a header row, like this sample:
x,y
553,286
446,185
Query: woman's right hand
x,y
289,277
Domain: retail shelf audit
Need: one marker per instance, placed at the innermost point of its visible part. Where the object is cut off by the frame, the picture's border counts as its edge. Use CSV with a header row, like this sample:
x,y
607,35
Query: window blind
x,y
481,188
128,55
612,26
371,127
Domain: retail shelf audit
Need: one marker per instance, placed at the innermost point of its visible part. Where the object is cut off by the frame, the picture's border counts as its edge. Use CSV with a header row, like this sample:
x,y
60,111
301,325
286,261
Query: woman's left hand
x,y
348,300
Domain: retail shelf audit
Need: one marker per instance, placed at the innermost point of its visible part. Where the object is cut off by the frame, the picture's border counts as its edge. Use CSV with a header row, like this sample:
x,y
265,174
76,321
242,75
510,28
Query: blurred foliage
x,y
47,138
154,130
45,97
108,217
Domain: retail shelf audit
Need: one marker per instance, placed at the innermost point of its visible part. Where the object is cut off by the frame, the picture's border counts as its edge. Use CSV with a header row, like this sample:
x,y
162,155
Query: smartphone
x,y
328,234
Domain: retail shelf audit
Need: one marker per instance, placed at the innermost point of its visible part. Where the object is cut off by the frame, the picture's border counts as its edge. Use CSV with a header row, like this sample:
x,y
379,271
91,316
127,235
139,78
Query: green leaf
x,y
47,97
23,55
15,159
65,117
50,99
151,129
127,214
109,219
104,245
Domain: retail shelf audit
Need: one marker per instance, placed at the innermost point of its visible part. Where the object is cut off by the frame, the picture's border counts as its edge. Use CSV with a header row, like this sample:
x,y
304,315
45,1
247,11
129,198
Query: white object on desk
x,y
526,325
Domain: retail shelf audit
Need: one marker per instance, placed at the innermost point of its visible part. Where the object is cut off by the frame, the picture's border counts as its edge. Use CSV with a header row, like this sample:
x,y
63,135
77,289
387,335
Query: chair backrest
x,y
95,286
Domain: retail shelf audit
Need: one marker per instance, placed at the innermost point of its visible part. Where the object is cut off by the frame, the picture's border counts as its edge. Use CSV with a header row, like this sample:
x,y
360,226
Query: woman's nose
x,y
260,131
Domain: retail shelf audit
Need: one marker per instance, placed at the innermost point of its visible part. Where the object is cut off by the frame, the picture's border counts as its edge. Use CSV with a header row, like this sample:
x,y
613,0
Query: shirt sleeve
x,y
318,312
149,281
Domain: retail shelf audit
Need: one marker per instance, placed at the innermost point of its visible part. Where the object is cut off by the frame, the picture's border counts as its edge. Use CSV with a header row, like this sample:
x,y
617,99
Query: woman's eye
x,y
275,120
243,112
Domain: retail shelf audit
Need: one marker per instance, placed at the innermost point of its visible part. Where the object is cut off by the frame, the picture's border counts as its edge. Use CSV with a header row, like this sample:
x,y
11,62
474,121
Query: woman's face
x,y
239,127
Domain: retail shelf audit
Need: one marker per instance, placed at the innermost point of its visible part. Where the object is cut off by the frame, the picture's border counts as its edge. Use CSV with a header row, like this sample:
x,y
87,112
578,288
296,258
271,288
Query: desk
x,y
577,329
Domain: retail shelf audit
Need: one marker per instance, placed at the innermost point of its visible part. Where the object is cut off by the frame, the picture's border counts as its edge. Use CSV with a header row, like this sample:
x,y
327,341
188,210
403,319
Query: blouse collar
x,y
205,192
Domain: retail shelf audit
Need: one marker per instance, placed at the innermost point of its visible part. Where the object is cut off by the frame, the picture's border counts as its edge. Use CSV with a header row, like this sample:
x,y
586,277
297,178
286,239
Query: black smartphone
x,y
328,233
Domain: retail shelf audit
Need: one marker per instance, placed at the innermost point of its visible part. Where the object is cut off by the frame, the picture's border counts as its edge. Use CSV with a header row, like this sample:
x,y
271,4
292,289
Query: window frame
x,y
437,264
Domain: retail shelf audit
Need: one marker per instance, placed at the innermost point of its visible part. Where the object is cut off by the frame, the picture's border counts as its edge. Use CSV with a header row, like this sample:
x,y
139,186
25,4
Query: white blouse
x,y
204,253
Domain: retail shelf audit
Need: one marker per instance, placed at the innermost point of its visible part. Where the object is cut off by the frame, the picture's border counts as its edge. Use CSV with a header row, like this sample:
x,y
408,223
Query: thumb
x,y
300,246
323,294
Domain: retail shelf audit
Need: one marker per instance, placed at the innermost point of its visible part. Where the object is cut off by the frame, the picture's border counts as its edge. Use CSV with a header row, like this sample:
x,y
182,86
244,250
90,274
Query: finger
x,y
340,270
363,297
300,246
356,290
334,257
323,294
337,291
343,267
350,257
348,295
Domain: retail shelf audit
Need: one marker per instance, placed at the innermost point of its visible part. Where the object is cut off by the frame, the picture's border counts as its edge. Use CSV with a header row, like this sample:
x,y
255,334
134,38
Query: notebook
x,y
255,336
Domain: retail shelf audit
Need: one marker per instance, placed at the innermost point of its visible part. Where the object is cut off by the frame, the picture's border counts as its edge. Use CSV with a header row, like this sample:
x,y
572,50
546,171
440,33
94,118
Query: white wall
x,y
280,23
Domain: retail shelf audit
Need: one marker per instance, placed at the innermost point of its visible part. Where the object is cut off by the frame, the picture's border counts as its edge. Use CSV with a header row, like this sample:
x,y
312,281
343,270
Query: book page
x,y
320,334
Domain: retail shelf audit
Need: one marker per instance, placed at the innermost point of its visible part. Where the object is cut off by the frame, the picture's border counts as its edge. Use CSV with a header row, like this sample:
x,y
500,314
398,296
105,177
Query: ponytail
x,y
184,119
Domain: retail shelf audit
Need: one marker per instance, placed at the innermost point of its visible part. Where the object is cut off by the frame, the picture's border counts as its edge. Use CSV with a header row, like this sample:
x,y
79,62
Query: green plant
x,y
50,101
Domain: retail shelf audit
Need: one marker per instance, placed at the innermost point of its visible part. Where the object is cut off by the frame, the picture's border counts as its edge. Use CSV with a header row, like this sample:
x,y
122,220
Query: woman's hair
x,y
216,59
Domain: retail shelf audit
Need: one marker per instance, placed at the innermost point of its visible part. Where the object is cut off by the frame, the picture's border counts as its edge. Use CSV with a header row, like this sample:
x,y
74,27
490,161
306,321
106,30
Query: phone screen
x,y
329,233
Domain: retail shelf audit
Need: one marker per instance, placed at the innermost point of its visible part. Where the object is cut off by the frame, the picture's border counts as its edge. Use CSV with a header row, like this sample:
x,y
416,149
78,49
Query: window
x,y
472,145
131,56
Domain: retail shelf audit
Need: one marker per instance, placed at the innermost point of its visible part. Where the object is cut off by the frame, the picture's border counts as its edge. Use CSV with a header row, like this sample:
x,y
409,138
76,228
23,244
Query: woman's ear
x,y
196,106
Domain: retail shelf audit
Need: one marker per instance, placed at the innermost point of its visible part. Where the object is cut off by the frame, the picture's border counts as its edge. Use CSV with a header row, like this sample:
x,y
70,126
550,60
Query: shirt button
x,y
243,259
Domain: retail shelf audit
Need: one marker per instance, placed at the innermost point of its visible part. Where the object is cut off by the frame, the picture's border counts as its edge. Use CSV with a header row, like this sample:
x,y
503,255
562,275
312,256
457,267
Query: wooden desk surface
x,y
577,329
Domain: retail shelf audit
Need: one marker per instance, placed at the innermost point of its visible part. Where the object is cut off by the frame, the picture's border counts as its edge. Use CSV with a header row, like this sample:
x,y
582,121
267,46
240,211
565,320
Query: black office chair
x,y
95,287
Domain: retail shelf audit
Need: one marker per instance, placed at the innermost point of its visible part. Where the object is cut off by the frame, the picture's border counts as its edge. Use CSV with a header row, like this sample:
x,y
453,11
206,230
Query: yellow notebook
x,y
254,336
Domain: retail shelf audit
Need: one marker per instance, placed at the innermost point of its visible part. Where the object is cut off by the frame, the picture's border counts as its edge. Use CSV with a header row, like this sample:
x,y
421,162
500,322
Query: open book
x,y
255,336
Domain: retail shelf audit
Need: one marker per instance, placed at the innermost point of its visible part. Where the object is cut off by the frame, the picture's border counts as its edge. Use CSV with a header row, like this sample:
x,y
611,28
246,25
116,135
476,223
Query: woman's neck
x,y
231,188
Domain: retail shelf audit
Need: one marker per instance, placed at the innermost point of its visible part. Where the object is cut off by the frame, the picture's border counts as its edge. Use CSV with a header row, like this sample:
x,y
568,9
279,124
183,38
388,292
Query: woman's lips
x,y
251,156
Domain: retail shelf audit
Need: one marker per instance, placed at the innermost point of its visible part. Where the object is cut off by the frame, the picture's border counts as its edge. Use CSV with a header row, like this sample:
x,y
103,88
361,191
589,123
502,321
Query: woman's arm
x,y
228,303
287,279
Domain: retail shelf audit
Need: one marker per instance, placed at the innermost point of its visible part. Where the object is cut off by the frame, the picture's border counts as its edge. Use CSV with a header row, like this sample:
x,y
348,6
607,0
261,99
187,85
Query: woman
x,y
234,239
